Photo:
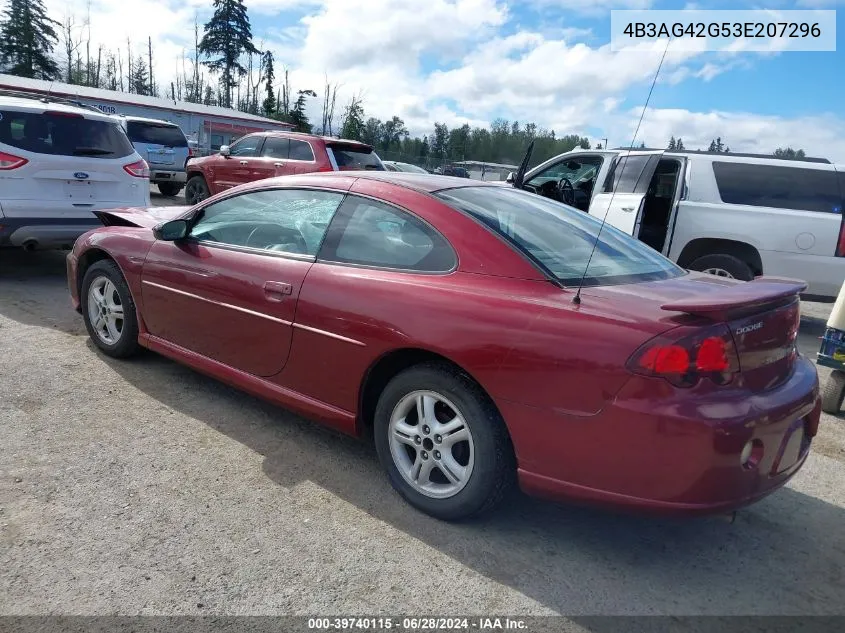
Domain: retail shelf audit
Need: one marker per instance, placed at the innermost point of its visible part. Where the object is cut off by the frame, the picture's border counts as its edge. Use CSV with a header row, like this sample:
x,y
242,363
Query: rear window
x,y
352,157
559,239
154,134
62,135
778,187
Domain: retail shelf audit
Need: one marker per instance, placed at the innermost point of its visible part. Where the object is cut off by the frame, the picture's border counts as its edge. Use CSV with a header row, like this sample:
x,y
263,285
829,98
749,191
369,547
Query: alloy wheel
x,y
431,444
105,310
719,272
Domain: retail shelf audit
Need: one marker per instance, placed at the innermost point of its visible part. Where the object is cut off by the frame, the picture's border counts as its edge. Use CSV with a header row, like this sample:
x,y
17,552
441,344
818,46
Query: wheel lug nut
x,y
426,430
436,454
438,439
417,439
424,455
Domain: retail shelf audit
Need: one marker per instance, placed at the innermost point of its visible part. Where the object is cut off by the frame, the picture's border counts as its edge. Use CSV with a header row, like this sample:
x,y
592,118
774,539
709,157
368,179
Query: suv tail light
x,y
10,161
139,169
685,360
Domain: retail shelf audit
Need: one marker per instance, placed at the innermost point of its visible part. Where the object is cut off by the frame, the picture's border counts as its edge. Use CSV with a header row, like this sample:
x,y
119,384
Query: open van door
x,y
620,201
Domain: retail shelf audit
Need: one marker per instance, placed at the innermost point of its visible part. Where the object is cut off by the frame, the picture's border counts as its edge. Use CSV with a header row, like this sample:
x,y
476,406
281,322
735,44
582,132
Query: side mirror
x,y
509,179
171,231
224,151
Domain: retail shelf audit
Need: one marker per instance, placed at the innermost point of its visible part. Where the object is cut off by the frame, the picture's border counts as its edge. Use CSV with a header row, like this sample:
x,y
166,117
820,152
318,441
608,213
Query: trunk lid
x,y
763,316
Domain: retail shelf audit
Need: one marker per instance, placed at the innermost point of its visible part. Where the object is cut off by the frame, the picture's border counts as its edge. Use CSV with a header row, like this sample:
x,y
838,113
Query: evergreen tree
x,y
672,144
297,114
269,106
353,120
712,147
27,38
227,36
139,81
679,145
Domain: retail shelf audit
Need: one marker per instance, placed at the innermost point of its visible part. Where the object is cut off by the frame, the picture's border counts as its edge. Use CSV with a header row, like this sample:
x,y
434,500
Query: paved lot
x,y
143,487
158,200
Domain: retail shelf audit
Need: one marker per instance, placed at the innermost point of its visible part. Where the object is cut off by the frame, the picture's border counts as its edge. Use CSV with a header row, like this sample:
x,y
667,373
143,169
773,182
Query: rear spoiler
x,y
745,298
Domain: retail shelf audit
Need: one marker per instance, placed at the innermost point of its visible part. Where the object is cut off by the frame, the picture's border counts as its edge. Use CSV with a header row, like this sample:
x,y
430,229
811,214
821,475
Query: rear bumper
x,y
676,455
44,233
167,175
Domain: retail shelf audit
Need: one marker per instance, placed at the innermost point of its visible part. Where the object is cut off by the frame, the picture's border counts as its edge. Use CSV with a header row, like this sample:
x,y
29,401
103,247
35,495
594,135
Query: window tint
x,y
247,146
627,174
374,234
167,135
284,220
275,147
300,150
778,187
60,135
560,239
353,157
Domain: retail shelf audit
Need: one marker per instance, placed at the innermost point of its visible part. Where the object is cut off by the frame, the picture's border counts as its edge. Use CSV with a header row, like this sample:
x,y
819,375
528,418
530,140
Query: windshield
x,y
559,239
353,157
155,134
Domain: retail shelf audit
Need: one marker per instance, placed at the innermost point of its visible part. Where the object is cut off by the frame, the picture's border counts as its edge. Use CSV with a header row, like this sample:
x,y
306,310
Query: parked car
x,y
391,165
459,172
446,318
269,154
732,215
165,148
59,161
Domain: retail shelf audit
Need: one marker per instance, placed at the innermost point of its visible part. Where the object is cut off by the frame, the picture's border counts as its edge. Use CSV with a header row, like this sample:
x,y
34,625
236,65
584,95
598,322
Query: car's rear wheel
x,y
442,442
169,188
196,190
723,265
108,310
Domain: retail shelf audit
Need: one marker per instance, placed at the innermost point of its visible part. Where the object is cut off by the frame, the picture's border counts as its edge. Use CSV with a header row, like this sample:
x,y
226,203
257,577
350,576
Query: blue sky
x,y
547,61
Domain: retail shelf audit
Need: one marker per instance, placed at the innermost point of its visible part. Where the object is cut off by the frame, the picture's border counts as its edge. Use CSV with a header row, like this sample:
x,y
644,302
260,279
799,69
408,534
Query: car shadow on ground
x,y
785,555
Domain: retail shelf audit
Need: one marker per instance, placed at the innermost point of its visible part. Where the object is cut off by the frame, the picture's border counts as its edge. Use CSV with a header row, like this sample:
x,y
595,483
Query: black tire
x,y
833,393
169,188
737,268
126,344
494,470
196,190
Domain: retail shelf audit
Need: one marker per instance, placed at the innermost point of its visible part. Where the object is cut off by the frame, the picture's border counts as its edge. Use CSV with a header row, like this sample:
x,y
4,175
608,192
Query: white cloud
x,y
821,135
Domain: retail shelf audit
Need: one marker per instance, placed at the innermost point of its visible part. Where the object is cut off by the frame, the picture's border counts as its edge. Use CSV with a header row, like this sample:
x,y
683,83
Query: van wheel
x,y
196,190
169,188
834,392
723,266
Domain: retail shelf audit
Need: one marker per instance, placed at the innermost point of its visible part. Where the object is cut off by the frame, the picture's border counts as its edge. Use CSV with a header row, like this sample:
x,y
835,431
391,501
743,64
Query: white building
x,y
209,126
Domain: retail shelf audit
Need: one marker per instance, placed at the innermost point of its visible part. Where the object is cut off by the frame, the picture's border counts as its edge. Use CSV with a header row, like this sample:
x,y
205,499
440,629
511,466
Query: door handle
x,y
628,209
276,290
278,164
243,162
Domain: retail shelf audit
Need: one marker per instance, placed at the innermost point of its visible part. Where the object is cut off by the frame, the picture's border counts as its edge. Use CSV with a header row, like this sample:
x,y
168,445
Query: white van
x,y
59,161
734,215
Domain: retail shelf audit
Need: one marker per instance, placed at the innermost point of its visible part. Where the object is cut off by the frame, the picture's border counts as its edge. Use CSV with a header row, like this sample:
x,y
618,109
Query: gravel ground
x,y
141,487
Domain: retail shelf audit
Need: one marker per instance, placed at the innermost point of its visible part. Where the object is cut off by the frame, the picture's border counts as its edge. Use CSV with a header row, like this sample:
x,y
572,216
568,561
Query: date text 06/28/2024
x,y
733,31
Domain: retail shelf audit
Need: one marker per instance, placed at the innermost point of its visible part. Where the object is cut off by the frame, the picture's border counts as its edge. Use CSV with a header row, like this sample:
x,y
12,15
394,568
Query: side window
x,y
300,150
576,169
371,233
275,147
246,147
778,187
284,220
626,175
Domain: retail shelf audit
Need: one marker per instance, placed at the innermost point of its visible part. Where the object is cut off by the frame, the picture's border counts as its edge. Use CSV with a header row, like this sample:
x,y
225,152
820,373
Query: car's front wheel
x,y
442,442
108,310
196,190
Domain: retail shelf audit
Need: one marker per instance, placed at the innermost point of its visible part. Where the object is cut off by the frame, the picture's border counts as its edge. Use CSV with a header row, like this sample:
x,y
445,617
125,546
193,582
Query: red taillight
x,y
139,169
10,161
686,358
840,245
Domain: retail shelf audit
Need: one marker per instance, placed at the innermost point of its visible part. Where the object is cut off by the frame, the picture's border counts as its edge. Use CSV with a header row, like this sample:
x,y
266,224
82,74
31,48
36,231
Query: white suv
x,y
59,162
733,215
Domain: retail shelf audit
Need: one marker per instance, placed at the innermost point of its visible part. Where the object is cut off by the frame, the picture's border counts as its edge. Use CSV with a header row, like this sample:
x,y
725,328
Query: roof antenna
x,y
577,298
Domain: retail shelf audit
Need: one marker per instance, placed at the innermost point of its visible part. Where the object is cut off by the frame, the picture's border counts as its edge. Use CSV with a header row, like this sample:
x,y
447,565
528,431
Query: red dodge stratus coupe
x,y
437,314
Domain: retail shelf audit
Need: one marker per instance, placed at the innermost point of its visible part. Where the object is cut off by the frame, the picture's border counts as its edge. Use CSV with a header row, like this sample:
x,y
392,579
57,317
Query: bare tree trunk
x,y
197,87
331,109
70,45
129,77
120,68
150,52
99,60
88,45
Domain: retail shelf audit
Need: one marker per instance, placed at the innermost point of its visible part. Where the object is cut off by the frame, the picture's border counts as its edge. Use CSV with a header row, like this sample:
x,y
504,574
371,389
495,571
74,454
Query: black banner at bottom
x,y
424,624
